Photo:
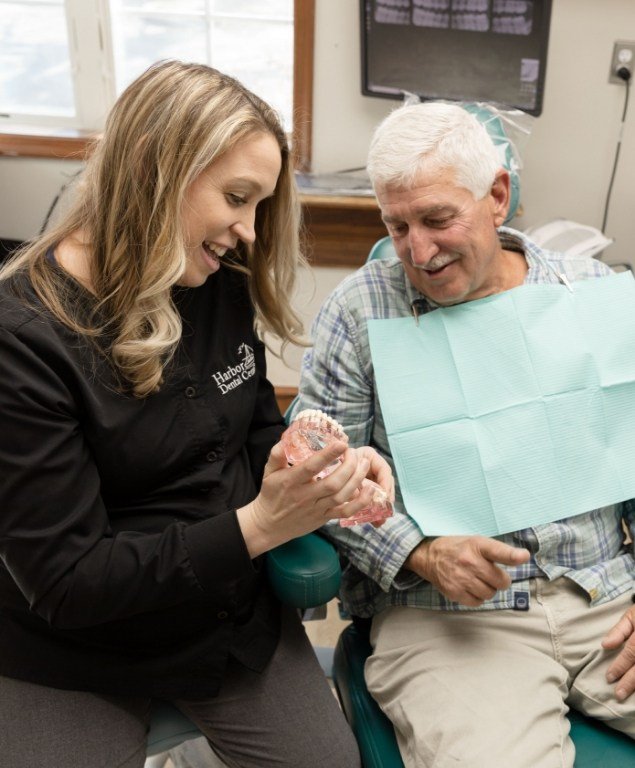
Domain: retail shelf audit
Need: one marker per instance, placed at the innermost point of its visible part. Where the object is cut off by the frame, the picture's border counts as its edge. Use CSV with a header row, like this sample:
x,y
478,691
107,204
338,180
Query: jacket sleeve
x,y
56,542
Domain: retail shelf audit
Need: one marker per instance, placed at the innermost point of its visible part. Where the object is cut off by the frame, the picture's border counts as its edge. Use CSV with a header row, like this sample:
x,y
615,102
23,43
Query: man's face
x,y
446,239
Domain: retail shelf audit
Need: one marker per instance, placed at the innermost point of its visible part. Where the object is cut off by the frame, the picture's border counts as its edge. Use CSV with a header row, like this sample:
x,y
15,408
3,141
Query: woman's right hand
x,y
292,502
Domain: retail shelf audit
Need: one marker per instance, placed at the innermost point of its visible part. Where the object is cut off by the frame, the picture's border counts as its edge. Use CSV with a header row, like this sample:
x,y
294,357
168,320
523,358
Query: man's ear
x,y
500,196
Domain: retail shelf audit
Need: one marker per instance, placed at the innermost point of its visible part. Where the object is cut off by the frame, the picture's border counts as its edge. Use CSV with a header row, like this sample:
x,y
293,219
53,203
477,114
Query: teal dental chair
x,y
597,746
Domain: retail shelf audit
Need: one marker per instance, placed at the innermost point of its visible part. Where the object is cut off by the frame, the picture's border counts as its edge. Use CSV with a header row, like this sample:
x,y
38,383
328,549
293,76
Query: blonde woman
x,y
136,426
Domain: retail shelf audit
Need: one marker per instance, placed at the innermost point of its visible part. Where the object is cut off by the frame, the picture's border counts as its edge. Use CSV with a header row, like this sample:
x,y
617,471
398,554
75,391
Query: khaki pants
x,y
491,689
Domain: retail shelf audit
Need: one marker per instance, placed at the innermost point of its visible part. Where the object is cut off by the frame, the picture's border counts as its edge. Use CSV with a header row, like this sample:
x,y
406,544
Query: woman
x,y
136,428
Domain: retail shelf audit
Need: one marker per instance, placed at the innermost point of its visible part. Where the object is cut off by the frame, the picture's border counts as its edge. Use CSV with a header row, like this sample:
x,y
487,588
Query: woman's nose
x,y
244,228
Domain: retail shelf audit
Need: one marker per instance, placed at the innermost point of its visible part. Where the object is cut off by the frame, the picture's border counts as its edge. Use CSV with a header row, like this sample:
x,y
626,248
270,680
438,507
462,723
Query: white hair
x,y
433,136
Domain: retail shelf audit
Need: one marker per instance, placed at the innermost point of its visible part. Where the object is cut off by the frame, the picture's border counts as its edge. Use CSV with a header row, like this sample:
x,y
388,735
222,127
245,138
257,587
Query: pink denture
x,y
313,430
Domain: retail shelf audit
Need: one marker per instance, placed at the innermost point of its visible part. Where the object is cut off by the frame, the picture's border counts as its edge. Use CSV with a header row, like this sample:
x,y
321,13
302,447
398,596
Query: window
x,y
63,62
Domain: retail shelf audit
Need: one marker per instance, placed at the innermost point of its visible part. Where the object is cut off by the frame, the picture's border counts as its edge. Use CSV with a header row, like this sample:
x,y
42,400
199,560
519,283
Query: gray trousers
x,y
286,717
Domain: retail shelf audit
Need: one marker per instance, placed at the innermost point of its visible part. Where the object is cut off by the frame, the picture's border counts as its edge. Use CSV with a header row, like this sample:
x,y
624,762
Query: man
x,y
480,644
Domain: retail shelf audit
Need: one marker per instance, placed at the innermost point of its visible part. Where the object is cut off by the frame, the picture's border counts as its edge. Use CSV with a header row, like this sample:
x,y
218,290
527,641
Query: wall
x,y
568,159
569,156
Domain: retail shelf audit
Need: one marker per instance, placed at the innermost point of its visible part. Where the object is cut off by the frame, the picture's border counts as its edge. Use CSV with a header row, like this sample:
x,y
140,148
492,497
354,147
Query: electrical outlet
x,y
623,56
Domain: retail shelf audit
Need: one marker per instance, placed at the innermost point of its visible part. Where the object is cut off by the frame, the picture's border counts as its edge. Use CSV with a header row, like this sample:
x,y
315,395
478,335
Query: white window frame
x,y
95,91
89,27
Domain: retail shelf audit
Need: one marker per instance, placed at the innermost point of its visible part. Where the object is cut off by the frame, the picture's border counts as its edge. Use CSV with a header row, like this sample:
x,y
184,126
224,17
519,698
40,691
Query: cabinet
x,y
340,231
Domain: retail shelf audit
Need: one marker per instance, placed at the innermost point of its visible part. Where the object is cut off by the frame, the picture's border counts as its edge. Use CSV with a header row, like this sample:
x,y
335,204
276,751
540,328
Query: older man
x,y
480,644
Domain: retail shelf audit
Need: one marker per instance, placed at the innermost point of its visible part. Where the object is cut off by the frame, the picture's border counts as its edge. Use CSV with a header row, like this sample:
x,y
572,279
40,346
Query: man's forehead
x,y
394,212
428,199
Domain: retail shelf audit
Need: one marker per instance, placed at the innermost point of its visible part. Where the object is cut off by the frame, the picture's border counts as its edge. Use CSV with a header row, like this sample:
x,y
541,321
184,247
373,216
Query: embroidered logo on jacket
x,y
234,375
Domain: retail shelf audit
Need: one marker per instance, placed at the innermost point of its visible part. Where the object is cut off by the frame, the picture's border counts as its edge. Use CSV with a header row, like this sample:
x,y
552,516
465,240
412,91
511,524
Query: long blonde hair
x,y
165,128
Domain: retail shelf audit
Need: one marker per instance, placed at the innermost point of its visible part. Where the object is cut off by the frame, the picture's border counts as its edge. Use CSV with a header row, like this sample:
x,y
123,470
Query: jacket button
x,y
212,456
190,392
222,615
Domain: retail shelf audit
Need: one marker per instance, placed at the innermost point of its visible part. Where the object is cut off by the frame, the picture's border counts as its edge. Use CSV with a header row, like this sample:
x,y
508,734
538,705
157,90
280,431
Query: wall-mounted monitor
x,y
460,50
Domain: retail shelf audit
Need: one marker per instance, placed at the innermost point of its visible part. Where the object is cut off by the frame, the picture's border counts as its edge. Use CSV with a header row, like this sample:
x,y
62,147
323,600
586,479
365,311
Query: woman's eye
x,y
236,199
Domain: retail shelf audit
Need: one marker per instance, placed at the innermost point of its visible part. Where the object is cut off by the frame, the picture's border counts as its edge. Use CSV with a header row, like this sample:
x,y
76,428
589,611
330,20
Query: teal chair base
x,y
597,746
169,727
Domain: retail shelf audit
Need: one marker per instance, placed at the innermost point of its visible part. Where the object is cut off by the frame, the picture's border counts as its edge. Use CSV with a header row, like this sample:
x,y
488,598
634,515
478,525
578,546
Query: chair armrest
x,y
304,572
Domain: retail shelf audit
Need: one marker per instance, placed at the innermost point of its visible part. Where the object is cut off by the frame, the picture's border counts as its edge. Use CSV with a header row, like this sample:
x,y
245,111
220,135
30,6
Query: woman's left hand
x,y
379,470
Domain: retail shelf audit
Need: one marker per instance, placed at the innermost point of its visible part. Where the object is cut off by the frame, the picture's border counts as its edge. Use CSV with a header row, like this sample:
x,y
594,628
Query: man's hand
x,y
623,668
463,568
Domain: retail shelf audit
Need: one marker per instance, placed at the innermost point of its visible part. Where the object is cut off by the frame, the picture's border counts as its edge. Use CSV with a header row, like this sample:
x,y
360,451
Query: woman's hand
x,y
379,470
381,473
292,502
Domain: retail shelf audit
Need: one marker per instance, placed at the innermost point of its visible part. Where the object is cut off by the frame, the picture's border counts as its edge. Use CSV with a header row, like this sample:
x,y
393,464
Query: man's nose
x,y
244,227
422,247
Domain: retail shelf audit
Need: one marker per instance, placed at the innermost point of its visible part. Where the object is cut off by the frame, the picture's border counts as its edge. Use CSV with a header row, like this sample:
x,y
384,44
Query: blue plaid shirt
x,y
337,377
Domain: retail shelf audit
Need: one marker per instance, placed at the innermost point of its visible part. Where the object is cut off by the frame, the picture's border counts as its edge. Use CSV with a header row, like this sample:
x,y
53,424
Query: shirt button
x,y
211,456
222,615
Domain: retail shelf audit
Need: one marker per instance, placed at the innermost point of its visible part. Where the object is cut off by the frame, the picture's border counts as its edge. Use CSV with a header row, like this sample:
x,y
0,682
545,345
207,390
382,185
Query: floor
x,y
324,632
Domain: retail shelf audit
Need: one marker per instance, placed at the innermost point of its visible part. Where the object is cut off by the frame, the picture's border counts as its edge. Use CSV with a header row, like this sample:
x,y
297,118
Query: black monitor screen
x,y
461,50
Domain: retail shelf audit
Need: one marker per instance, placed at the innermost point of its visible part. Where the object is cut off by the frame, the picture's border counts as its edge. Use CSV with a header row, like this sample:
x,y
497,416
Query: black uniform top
x,y
122,565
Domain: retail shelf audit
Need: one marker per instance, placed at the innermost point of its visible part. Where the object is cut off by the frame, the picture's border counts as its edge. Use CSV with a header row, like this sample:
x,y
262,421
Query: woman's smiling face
x,y
219,208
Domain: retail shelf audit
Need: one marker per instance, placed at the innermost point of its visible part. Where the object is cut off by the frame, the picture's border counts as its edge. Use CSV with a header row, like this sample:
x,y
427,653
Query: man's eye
x,y
397,229
235,199
439,222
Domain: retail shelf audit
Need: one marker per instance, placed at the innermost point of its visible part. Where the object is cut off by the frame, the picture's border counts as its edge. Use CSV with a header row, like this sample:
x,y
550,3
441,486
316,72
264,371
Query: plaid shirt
x,y
337,377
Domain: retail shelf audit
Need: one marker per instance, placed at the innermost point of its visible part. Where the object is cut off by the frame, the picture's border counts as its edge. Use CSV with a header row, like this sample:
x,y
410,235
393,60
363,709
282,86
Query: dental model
x,y
312,430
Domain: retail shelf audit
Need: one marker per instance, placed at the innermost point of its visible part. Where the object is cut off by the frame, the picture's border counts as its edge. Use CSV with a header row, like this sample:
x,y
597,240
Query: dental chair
x,y
597,746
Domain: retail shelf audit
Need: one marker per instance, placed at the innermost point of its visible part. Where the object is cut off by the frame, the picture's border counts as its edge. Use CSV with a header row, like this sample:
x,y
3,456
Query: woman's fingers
x,y
321,460
380,470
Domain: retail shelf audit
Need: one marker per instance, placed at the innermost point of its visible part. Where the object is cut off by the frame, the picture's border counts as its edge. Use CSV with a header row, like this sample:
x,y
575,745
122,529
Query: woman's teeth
x,y
215,250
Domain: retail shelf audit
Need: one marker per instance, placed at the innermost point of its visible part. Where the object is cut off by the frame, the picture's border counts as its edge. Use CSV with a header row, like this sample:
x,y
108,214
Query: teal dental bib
x,y
513,410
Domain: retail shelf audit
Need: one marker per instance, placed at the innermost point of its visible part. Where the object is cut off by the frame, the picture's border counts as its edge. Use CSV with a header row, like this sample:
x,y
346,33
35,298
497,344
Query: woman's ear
x,y
500,196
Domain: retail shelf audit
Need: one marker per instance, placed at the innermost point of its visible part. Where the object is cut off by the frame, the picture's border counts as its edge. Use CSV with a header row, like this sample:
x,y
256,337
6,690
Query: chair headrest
x,y
508,155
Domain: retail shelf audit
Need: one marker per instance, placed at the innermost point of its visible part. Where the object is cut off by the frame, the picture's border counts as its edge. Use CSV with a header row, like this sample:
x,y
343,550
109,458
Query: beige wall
x,y
568,159
569,156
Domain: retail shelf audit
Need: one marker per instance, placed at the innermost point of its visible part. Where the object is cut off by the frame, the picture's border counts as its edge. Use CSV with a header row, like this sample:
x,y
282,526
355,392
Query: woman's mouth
x,y
213,254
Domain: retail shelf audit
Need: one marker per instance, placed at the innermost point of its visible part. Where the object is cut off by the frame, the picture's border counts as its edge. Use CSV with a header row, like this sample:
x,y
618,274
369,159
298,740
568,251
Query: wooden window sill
x,y
60,145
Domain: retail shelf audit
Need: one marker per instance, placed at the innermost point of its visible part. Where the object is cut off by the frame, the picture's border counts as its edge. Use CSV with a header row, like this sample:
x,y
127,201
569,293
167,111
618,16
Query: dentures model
x,y
312,430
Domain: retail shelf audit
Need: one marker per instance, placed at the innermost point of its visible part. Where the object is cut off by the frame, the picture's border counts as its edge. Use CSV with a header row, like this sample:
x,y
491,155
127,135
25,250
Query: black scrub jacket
x,y
122,566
